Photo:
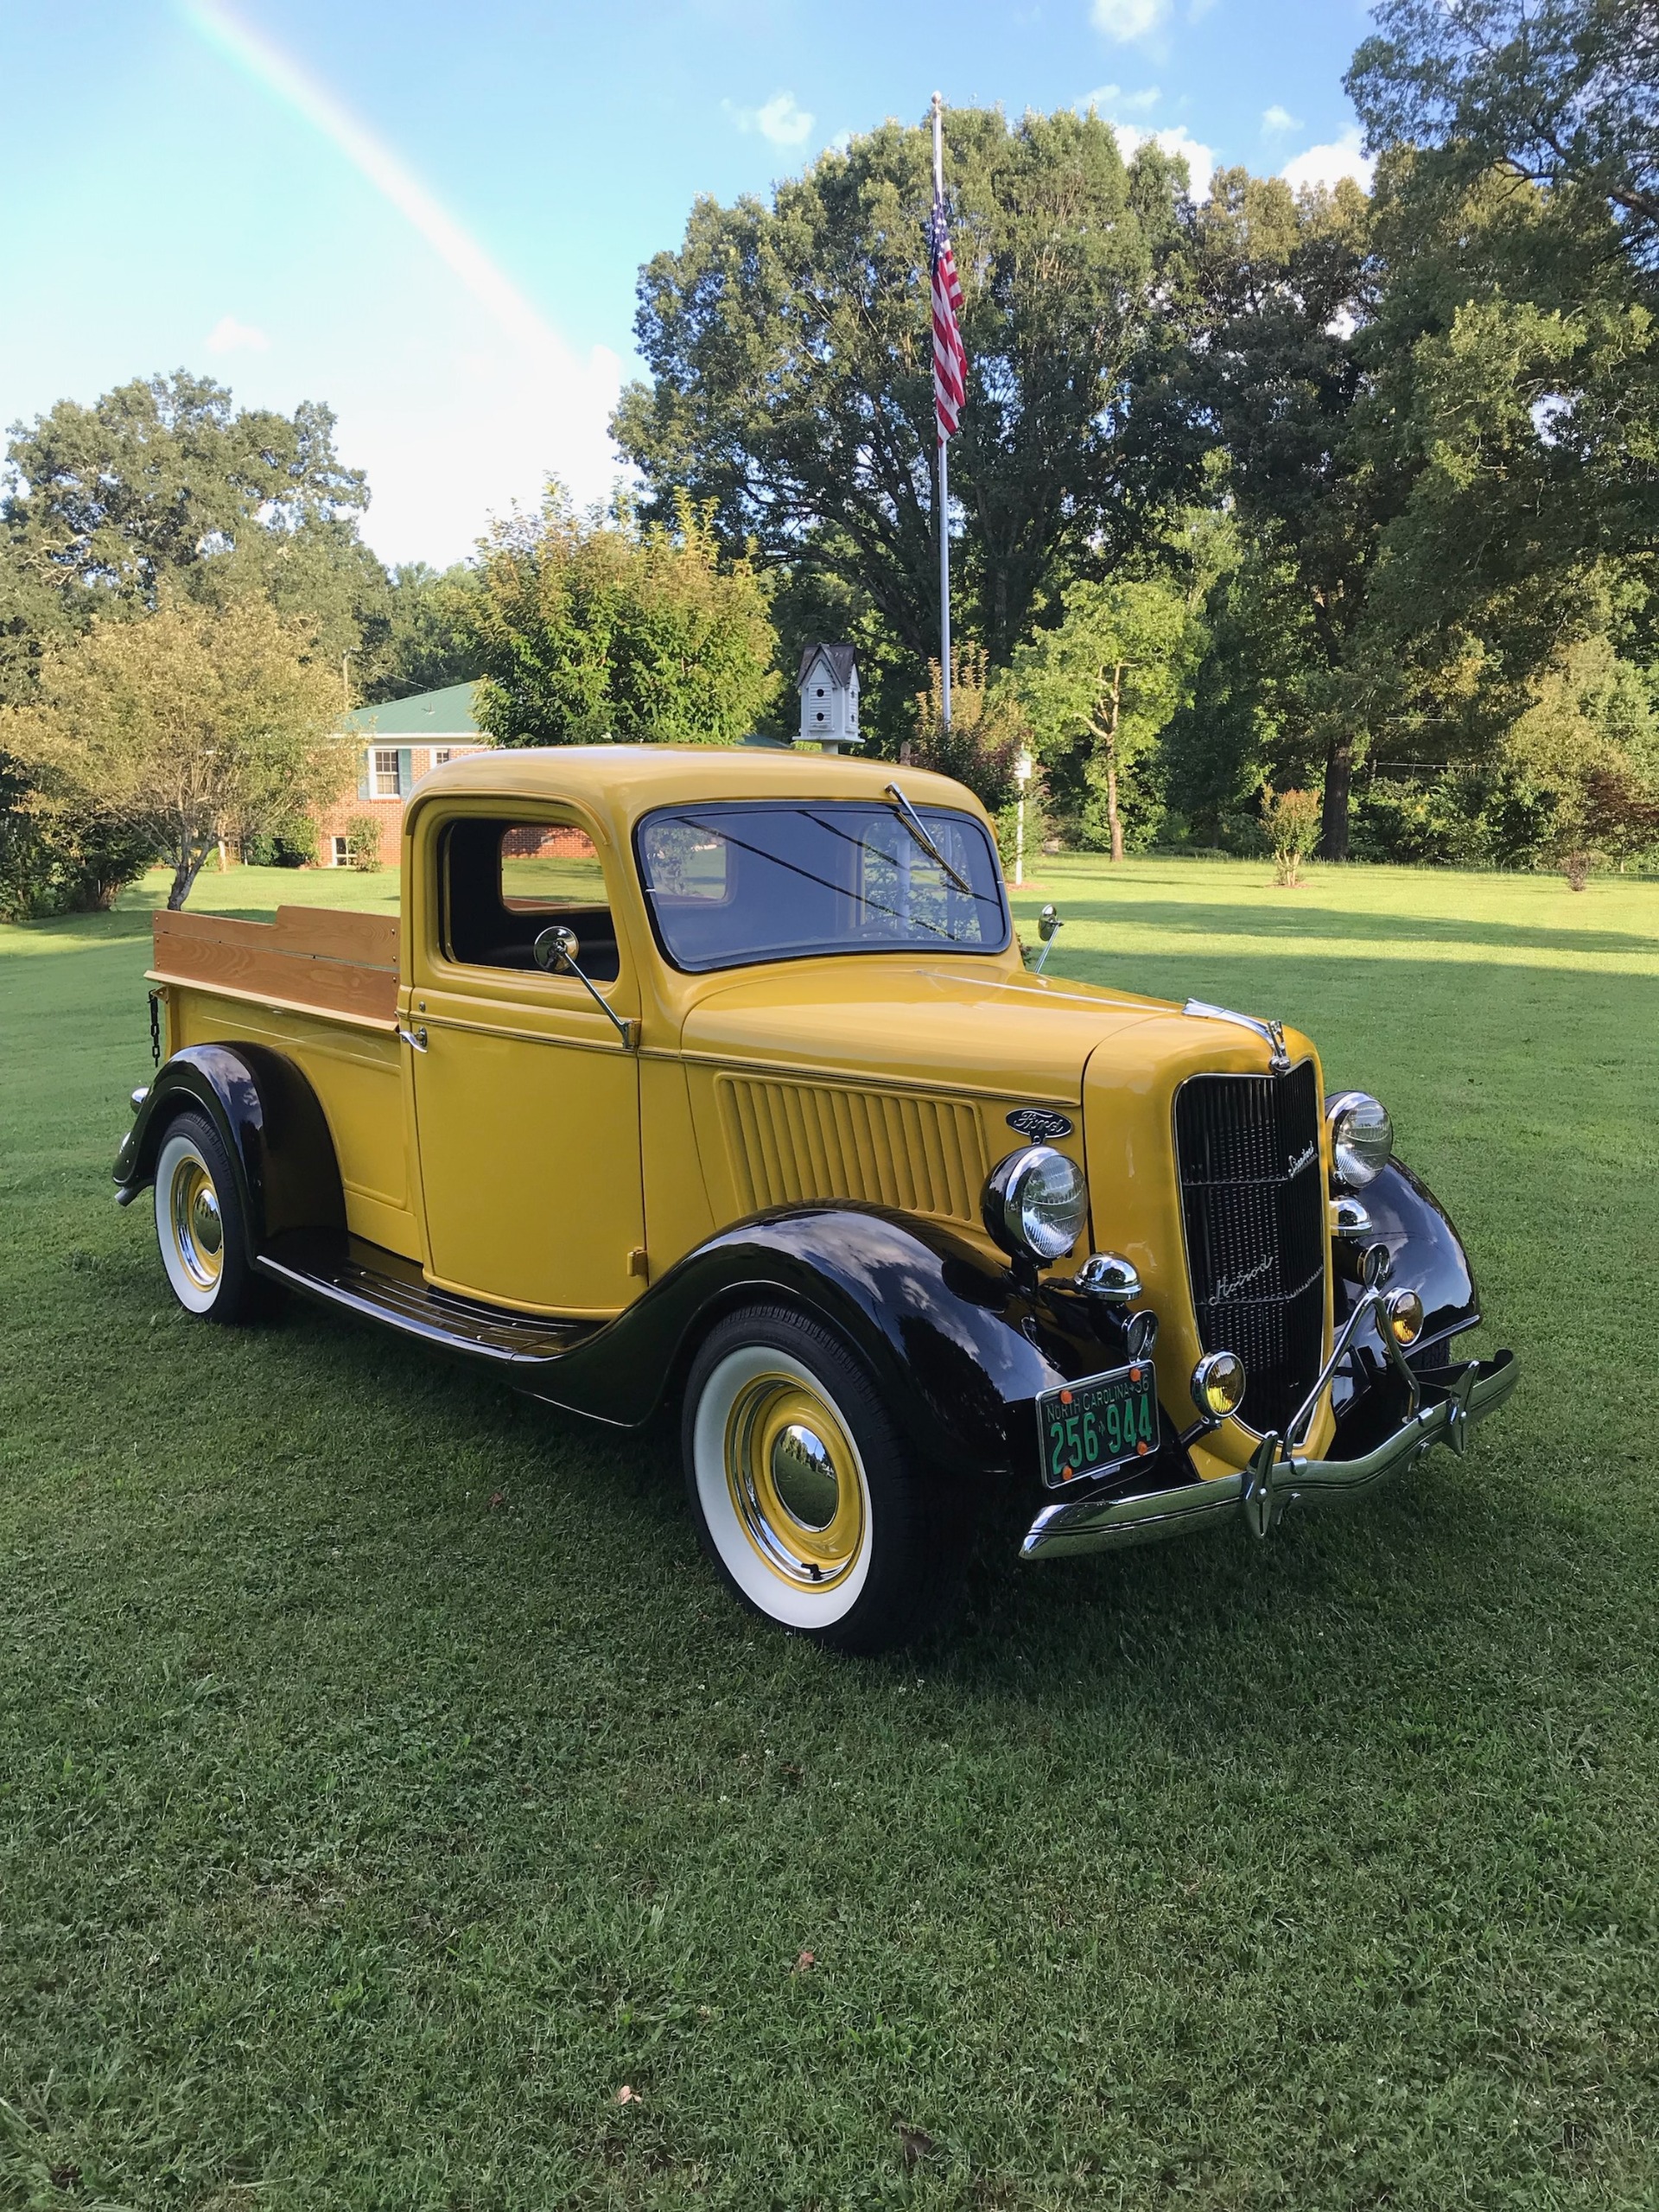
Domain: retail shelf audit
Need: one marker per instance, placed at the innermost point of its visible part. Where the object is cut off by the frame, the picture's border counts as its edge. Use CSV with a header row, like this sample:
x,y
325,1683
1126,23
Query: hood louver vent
x,y
790,1143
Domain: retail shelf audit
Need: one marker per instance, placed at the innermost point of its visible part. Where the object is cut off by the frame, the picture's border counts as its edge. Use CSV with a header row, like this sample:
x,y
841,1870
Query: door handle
x,y
415,1038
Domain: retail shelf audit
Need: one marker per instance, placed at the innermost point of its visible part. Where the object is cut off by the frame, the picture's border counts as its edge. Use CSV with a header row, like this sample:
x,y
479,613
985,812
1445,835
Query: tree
x,y
424,643
790,355
1101,687
589,632
1563,93
1511,427
188,726
162,485
1280,289
159,479
988,732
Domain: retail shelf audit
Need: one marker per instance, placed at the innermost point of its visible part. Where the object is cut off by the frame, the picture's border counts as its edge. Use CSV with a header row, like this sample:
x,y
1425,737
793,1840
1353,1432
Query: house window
x,y
442,758
339,852
383,783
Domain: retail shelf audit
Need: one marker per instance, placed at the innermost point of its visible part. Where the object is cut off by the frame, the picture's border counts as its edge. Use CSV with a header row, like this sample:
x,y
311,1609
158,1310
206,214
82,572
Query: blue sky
x,y
431,216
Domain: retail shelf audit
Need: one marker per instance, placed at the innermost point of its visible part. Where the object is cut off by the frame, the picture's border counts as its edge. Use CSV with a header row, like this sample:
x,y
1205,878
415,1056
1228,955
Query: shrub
x,y
1292,826
363,843
55,865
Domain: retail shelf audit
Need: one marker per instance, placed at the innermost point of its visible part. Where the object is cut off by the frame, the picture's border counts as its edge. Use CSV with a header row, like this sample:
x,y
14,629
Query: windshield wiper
x,y
917,828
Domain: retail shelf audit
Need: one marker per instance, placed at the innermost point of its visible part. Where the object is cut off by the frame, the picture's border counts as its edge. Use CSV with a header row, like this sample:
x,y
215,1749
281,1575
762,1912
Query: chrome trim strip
x,y
1269,1485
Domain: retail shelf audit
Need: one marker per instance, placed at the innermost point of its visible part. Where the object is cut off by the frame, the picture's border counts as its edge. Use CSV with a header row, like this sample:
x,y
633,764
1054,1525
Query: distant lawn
x,y
385,1782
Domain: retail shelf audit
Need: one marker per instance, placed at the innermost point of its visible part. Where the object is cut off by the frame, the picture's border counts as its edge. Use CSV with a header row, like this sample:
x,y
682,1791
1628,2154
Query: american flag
x,y
950,356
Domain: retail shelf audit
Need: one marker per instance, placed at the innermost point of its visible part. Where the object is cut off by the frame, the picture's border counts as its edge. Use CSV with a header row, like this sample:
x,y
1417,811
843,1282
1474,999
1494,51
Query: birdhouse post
x,y
828,683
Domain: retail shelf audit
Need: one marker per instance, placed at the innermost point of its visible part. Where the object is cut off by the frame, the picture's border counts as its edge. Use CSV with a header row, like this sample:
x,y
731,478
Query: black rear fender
x,y
270,1123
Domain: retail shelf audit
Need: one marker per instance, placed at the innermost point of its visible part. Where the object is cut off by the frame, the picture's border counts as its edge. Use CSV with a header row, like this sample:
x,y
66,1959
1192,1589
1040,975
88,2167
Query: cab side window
x,y
503,882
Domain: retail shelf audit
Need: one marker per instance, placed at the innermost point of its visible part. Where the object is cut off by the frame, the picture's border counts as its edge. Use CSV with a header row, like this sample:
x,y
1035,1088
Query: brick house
x,y
400,740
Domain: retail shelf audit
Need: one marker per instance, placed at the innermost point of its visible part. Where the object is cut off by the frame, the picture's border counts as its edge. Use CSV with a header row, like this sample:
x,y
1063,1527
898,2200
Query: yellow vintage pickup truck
x,y
718,1079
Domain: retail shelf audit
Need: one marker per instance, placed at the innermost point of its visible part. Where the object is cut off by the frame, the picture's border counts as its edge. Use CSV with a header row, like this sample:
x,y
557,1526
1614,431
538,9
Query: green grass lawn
x,y
385,1782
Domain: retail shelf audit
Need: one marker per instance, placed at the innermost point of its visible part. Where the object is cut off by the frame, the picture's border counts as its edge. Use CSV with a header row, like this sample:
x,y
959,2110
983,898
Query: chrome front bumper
x,y
1453,1399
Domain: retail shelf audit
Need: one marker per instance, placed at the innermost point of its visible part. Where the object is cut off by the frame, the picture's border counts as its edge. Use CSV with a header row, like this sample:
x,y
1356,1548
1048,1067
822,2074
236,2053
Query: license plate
x,y
1089,1427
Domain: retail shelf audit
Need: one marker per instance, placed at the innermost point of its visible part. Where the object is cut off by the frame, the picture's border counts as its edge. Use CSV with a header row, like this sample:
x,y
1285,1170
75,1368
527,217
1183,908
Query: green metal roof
x,y
447,712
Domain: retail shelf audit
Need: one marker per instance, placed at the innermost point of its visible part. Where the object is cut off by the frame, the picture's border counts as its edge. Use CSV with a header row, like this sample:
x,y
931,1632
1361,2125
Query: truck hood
x,y
875,1021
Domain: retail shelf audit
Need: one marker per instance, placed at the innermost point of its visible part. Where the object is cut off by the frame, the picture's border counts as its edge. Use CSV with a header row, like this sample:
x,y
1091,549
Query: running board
x,y
379,1286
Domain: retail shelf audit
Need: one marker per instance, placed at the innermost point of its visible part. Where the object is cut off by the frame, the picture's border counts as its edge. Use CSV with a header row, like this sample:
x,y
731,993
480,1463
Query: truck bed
x,y
311,959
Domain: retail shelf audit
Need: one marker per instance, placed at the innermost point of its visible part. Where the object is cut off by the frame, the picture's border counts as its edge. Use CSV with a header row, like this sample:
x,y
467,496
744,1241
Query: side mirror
x,y
556,949
1048,922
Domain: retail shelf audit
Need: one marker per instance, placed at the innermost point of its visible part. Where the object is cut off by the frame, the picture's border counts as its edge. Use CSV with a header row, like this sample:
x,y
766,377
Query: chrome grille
x,y
1253,1199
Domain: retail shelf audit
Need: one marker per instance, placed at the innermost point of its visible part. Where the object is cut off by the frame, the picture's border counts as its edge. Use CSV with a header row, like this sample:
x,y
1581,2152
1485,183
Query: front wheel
x,y
802,1492
200,1227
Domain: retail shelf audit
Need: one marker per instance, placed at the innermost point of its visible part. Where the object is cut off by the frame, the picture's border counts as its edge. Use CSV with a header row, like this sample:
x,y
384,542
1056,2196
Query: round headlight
x,y
1362,1137
1037,1204
1218,1384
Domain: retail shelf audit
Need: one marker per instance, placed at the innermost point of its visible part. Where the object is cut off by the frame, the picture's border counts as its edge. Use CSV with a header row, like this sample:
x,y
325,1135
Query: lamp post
x,y
1024,767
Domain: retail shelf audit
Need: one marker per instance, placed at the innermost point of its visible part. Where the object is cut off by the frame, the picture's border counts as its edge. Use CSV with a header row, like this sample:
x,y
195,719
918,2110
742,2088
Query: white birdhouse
x,y
828,684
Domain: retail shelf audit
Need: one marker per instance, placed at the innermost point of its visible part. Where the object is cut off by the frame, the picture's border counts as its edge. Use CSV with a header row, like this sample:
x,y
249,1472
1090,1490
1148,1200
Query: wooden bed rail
x,y
320,957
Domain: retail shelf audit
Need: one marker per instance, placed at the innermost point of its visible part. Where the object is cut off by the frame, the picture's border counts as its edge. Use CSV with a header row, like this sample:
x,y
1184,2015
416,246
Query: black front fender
x,y
270,1123
1427,1255
957,1352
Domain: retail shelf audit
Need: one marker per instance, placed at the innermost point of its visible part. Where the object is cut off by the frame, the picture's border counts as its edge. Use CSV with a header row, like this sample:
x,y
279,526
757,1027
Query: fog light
x,y
1404,1311
1140,1333
1218,1384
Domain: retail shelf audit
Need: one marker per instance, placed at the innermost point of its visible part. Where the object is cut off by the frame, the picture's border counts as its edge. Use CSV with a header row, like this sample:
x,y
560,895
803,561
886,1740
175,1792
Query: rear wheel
x,y
803,1494
202,1227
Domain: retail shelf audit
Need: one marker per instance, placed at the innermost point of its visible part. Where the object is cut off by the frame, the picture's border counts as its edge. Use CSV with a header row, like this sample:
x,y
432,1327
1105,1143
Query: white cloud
x,y
780,122
1200,159
1107,98
1127,20
458,435
1326,164
1276,118
229,336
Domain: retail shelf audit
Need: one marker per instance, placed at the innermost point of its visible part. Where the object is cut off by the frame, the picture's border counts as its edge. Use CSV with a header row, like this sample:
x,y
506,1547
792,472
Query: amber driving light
x,y
1404,1311
1218,1384
1036,1203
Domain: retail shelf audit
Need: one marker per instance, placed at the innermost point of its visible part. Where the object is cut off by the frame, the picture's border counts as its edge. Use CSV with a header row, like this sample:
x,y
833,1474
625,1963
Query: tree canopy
x,y
192,724
590,631
791,362
1563,92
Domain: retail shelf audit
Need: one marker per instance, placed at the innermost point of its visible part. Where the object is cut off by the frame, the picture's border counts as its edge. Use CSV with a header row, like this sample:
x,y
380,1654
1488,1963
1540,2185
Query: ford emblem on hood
x,y
1041,1123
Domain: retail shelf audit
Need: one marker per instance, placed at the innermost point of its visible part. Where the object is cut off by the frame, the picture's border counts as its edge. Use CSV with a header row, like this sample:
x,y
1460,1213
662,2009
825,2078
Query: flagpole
x,y
943,478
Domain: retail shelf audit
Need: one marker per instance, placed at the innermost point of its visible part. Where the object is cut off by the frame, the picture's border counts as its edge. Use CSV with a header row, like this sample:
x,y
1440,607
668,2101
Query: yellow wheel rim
x,y
795,1480
198,1228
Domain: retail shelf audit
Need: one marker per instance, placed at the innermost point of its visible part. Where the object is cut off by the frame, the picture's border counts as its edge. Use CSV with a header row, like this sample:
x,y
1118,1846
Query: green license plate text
x,y
1084,1428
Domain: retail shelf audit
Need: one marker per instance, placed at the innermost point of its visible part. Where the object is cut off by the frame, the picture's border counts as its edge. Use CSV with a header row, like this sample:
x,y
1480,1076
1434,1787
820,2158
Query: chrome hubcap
x,y
198,1226
803,1476
792,1474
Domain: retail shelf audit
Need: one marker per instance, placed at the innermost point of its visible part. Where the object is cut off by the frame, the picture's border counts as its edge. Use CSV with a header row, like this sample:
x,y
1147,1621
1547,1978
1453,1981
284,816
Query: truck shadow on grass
x,y
1449,1574
1372,934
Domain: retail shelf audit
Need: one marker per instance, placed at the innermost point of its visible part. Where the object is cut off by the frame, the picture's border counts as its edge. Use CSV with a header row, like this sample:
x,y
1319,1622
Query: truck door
x,y
526,1098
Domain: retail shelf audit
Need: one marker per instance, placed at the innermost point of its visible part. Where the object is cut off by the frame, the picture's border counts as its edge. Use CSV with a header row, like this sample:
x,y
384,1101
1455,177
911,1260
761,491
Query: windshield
x,y
731,884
